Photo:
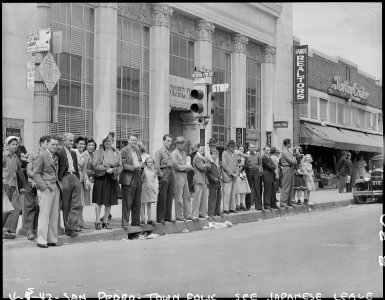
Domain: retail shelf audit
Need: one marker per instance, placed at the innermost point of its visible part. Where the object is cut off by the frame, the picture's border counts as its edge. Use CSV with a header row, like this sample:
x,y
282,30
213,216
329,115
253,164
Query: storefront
x,y
343,112
127,68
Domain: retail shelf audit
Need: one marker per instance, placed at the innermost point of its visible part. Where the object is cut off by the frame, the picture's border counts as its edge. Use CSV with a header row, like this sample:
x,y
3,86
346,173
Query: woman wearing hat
x,y
11,166
241,185
107,166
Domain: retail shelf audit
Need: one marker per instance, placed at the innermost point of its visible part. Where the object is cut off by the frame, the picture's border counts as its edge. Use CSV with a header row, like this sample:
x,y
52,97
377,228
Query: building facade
x,y
343,112
127,68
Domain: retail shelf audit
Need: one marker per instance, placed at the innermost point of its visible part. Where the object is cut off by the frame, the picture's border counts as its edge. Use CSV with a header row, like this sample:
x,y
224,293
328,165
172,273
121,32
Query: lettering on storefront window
x,y
180,92
343,90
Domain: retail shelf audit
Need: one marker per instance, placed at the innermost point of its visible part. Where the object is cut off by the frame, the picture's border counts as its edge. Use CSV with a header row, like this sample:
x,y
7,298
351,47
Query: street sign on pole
x,y
30,75
38,41
49,71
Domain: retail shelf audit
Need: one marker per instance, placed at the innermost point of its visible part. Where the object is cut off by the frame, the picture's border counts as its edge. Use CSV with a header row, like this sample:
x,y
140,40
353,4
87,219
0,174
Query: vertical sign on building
x,y
30,75
244,136
238,136
268,139
300,74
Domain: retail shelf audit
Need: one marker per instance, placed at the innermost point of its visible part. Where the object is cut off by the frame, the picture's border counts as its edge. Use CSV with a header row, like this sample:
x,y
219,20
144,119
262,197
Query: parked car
x,y
369,188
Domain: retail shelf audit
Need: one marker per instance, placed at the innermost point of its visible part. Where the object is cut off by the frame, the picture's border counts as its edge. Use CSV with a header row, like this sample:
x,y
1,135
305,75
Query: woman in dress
x,y
149,189
299,181
241,186
88,172
107,166
309,177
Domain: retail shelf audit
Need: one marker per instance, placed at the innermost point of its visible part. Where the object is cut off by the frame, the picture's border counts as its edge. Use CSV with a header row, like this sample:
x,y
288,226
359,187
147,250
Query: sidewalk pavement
x,y
319,200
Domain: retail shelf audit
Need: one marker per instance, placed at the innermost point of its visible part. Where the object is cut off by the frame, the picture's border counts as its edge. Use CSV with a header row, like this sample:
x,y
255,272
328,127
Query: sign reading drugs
x,y
38,41
300,74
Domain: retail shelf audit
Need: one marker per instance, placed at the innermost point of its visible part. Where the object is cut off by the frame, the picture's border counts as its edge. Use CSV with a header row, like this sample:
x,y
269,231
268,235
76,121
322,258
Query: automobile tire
x,y
359,200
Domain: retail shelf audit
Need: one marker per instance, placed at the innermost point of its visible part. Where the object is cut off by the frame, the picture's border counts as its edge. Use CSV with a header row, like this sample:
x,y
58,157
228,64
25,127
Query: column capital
x,y
269,54
205,30
107,5
240,41
161,15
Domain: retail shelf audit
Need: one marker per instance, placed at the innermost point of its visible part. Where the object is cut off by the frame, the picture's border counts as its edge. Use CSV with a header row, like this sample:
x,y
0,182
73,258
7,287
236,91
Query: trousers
x,y
254,179
48,215
182,196
287,191
199,205
268,190
214,202
228,196
165,196
31,209
341,183
131,202
71,202
11,218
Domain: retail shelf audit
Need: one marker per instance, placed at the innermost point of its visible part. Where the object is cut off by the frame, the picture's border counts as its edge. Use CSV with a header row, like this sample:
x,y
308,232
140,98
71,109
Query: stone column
x,y
238,83
42,96
203,60
268,93
105,67
159,75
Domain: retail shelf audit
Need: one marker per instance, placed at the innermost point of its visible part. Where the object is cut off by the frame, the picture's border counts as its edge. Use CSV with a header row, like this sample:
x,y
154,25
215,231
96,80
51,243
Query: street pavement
x,y
326,252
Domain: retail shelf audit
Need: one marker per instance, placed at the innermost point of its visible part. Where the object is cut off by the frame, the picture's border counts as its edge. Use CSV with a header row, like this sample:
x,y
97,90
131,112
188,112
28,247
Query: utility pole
x,y
42,96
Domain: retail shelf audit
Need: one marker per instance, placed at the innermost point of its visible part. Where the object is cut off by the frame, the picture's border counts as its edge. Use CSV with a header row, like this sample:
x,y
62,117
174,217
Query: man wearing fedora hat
x,y
253,167
230,173
182,193
212,146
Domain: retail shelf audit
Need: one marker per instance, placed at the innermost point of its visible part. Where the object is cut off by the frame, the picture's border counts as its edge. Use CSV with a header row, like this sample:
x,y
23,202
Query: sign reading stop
x,y
220,87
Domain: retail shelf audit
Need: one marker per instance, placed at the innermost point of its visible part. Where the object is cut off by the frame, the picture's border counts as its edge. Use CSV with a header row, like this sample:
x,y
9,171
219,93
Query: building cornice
x,y
225,21
273,9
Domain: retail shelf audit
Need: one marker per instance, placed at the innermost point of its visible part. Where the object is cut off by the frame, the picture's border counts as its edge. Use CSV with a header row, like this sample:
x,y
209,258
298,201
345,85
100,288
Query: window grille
x,y
222,103
132,107
75,87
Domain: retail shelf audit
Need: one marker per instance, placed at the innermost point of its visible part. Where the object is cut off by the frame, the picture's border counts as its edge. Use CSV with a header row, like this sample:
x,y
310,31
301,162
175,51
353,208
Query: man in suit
x,y
45,170
268,175
200,165
342,171
214,178
253,167
166,181
69,177
180,168
230,173
131,181
31,205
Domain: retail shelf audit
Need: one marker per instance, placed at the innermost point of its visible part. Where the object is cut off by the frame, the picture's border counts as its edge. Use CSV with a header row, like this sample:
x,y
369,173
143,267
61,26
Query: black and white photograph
x,y
192,150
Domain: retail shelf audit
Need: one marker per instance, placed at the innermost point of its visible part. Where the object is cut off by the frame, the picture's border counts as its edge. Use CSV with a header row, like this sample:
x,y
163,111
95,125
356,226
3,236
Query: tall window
x,y
340,113
323,109
253,95
132,112
332,112
75,86
222,113
348,115
313,107
380,129
181,56
304,109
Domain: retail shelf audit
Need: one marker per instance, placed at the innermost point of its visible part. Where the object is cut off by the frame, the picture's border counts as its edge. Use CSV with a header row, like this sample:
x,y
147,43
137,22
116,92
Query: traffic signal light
x,y
199,93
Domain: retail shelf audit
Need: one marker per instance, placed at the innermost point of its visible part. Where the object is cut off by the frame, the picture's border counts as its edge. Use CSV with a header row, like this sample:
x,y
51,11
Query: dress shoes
x,y
180,219
233,211
202,217
57,244
151,222
161,222
289,205
42,245
267,207
72,233
195,219
31,236
106,226
98,226
225,212
85,226
9,235
274,207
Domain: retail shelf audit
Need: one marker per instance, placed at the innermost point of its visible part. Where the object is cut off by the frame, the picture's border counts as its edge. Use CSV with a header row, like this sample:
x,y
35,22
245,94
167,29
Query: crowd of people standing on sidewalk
x,y
68,174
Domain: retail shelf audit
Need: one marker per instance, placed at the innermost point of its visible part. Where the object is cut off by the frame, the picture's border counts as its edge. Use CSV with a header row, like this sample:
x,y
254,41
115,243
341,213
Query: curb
x,y
169,228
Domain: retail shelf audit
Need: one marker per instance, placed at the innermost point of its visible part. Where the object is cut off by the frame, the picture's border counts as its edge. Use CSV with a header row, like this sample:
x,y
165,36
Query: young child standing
x,y
149,190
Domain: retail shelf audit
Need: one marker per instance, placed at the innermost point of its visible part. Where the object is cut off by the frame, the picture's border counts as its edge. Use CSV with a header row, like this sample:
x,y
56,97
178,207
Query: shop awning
x,y
345,139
